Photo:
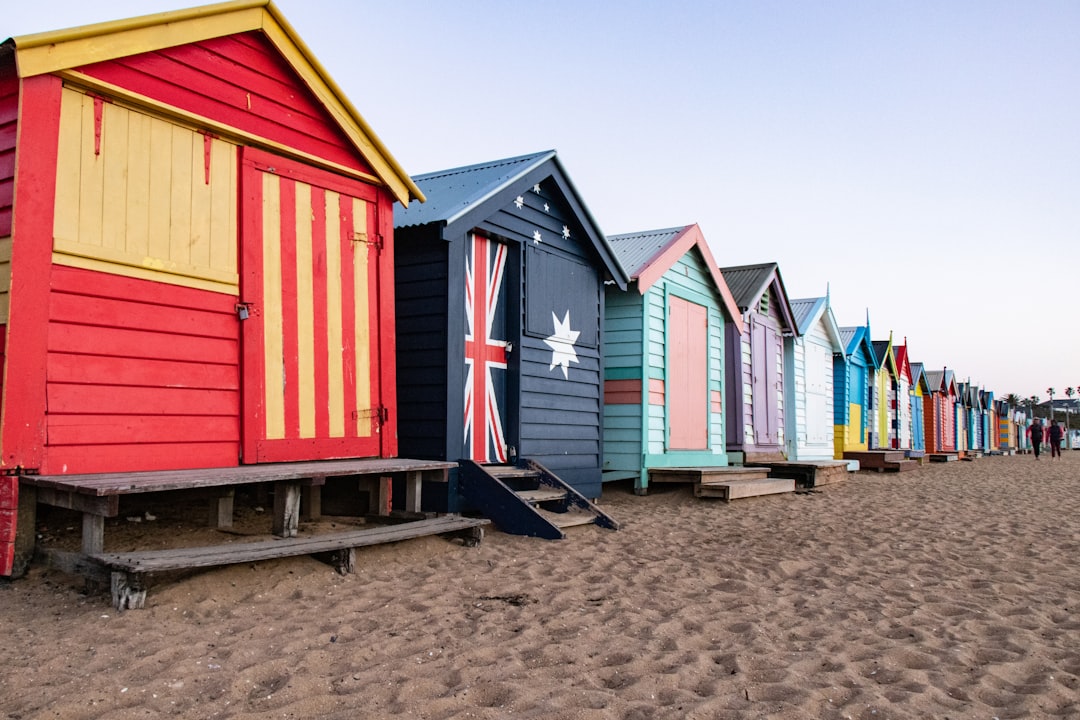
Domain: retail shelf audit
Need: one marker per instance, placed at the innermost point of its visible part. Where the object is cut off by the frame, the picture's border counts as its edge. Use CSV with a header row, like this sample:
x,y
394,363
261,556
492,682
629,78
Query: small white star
x,y
536,237
562,344
519,201
566,232
536,188
546,207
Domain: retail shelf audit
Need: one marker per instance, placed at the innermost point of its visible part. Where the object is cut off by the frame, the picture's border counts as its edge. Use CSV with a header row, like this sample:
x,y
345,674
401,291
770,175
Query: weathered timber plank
x,y
735,489
101,484
212,555
705,474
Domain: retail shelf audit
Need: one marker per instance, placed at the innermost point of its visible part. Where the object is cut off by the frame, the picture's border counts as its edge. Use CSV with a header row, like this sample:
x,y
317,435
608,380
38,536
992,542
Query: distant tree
x,y
1014,401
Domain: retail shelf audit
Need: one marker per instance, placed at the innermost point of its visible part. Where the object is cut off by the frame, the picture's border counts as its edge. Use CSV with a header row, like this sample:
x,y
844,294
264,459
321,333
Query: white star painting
x,y
562,344
519,201
536,237
566,232
536,188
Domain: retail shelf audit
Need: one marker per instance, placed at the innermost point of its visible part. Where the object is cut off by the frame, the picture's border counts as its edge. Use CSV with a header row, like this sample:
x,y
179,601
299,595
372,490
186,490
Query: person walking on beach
x,y
1054,433
1035,432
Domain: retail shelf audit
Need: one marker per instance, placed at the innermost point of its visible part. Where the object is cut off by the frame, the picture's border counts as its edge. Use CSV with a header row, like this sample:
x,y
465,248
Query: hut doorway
x,y
688,376
309,313
487,350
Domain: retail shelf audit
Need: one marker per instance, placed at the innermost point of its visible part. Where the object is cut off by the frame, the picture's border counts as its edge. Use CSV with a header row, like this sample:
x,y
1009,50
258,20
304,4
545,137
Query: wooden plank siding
x,y
625,398
422,285
9,119
810,398
140,376
144,197
242,81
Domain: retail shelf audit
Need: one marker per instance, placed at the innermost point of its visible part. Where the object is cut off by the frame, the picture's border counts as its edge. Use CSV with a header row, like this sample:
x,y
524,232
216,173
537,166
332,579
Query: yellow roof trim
x,y
60,50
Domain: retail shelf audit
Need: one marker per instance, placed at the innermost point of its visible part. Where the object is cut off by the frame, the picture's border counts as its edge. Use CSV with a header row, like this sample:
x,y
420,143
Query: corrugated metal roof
x,y
452,192
847,334
934,379
747,282
804,310
636,251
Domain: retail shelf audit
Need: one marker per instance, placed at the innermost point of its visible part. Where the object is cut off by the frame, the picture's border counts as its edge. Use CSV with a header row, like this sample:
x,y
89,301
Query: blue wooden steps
x,y
527,499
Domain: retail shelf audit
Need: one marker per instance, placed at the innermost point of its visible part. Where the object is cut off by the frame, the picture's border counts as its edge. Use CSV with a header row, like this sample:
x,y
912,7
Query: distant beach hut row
x,y
209,261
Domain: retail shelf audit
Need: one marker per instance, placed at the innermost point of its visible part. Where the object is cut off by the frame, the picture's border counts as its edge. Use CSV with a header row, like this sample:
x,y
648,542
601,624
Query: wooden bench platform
x,y
130,570
97,496
807,473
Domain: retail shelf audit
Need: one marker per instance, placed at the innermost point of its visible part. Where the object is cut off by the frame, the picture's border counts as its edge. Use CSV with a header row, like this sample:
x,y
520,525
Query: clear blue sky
x,y
920,158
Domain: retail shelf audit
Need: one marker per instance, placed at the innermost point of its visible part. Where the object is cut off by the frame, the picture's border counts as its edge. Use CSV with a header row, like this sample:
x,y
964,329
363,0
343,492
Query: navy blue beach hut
x,y
500,280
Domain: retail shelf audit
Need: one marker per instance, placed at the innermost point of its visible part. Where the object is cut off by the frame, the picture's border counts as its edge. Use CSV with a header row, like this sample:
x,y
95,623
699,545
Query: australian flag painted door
x,y
486,351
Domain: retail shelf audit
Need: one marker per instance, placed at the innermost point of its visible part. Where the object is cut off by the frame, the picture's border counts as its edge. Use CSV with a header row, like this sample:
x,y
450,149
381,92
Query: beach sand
x,y
949,592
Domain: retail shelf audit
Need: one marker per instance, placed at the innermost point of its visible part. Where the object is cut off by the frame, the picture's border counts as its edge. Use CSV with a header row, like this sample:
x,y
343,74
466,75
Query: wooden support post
x,y
93,533
221,509
286,508
128,592
25,529
311,502
413,483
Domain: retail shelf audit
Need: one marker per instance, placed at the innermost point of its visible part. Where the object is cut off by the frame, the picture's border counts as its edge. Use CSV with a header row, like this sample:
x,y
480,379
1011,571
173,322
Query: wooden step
x,y
567,519
734,489
871,459
942,457
148,561
504,472
540,495
706,474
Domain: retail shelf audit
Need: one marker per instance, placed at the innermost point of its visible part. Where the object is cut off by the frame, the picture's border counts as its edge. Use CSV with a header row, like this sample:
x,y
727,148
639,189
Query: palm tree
x,y
1050,392
1013,401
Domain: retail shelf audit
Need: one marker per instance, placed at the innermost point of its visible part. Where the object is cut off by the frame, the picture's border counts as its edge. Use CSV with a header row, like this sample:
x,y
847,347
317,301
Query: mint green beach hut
x,y
664,356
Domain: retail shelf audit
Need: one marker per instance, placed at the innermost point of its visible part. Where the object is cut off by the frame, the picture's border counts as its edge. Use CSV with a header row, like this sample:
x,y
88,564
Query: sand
x,y
948,592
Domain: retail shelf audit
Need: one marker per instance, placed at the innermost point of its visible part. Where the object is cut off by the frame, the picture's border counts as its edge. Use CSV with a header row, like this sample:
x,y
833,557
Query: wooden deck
x,y
97,496
808,473
727,483
883,460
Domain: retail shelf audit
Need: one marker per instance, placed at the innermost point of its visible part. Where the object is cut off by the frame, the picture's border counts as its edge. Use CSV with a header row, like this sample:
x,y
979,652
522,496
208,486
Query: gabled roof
x,y
808,311
903,365
65,50
883,350
749,282
648,255
855,336
918,377
458,197
935,380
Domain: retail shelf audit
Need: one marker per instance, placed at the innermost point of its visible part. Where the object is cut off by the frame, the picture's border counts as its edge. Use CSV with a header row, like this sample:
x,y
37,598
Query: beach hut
x,y
809,384
194,223
904,393
940,412
500,295
664,356
920,393
853,375
755,362
884,427
1006,427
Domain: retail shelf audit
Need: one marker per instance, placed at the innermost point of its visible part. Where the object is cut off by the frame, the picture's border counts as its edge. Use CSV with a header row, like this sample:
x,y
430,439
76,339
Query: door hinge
x,y
376,240
381,414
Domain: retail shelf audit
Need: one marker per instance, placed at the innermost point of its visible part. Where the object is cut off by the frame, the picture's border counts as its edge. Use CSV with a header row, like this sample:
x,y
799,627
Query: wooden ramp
x,y
882,460
727,483
807,473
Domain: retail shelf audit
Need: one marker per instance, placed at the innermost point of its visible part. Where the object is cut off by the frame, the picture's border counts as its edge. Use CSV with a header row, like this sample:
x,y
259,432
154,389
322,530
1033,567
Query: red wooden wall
x,y
140,375
9,111
240,80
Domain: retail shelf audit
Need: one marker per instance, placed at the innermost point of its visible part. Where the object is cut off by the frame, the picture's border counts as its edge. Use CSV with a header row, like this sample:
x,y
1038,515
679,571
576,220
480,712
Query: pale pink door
x,y
688,375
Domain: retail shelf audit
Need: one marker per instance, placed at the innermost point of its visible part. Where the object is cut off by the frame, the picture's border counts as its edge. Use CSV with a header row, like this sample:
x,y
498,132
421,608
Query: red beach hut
x,y
196,259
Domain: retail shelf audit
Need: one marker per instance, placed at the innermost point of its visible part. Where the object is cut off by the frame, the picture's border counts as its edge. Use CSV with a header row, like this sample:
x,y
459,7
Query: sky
x,y
919,160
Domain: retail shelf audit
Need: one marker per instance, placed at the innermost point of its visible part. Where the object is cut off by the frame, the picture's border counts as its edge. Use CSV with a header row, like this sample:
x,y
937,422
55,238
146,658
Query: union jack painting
x,y
485,355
